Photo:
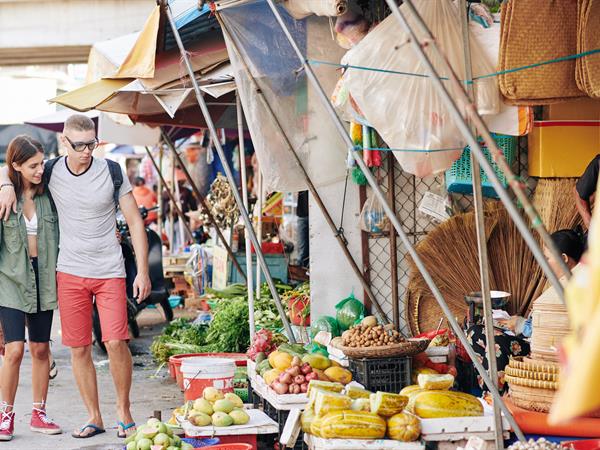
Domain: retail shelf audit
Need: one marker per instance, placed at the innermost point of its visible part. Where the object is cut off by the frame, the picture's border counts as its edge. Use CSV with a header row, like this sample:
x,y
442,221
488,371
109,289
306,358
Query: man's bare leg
x,y
85,375
121,368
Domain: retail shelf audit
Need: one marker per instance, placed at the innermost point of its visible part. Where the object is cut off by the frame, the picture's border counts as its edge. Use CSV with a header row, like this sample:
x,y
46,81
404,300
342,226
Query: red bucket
x,y
240,361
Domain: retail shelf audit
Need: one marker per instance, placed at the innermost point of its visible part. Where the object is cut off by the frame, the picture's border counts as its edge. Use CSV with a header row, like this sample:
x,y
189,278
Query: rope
x,y
420,75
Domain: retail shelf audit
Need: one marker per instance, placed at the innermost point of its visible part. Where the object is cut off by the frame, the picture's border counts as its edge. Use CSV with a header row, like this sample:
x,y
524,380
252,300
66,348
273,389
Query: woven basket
x,y
532,32
533,365
532,399
409,348
588,39
526,374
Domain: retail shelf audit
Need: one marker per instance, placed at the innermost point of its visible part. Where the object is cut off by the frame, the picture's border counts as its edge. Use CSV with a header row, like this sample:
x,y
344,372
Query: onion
x,y
299,379
279,388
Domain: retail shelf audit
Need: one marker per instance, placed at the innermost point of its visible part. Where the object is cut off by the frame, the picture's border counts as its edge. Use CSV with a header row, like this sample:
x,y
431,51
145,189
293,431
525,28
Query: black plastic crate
x,y
382,374
280,416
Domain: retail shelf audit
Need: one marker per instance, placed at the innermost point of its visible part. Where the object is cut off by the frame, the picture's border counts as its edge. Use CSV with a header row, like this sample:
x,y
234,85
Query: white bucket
x,y
200,372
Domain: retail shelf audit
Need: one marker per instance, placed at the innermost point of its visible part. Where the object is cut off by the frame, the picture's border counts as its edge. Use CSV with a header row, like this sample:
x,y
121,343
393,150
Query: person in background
x,y
571,244
146,197
585,190
303,238
28,256
187,202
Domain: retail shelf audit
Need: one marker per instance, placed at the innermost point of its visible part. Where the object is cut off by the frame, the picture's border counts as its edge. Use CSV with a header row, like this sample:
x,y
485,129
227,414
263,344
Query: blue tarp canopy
x,y
191,22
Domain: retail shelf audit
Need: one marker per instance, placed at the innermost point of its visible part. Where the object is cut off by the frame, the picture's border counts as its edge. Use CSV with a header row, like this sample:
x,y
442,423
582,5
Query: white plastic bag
x,y
373,218
406,110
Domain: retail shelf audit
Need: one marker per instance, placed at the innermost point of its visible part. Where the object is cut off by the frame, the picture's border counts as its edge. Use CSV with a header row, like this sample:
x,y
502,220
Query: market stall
x,y
354,380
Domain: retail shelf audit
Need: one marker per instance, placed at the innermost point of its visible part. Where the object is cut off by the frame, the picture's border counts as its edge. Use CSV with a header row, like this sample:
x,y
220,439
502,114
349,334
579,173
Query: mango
x,y
237,402
271,375
339,374
221,419
281,361
223,406
239,416
199,419
203,405
317,361
212,394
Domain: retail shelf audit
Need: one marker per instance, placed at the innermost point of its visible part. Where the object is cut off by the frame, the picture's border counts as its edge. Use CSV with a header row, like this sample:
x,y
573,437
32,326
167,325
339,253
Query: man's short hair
x,y
79,122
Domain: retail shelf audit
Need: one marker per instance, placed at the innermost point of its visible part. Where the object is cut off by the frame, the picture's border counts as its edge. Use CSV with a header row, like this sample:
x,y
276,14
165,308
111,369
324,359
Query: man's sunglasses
x,y
81,146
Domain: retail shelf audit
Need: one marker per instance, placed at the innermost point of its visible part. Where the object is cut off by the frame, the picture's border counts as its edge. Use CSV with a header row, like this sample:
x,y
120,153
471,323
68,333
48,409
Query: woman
x,y
571,245
28,253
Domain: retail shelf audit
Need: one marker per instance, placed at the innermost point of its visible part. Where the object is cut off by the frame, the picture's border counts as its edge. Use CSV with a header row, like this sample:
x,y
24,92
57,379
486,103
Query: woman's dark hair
x,y
20,149
571,242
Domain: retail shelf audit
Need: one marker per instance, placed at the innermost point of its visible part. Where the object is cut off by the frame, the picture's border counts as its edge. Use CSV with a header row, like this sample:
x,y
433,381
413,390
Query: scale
x,y
474,300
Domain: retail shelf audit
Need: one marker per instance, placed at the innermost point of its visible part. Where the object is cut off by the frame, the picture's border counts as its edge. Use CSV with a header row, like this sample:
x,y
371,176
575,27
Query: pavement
x,y
151,391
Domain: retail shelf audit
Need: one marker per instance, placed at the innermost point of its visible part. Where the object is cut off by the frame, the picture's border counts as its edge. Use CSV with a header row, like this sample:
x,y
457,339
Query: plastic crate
x,y
382,374
459,177
280,416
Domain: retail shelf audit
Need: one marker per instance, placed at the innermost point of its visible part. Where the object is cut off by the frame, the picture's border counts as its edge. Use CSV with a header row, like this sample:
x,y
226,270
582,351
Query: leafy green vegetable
x,y
228,330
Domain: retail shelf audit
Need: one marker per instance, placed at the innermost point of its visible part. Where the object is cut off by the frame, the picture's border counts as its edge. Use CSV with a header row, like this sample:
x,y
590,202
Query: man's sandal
x,y
124,428
96,430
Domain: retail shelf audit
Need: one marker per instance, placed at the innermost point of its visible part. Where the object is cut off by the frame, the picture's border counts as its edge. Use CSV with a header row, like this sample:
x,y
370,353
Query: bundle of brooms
x,y
450,254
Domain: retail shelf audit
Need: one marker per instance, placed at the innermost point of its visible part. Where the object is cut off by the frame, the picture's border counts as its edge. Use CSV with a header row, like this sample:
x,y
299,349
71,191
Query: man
x,y
146,197
90,264
585,189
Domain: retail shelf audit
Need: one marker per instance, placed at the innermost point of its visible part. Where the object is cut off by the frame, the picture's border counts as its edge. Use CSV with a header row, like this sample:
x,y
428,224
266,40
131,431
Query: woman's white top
x,y
31,225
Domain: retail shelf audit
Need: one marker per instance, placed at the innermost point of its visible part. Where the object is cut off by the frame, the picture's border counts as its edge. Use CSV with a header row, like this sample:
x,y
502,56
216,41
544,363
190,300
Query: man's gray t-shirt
x,y
87,220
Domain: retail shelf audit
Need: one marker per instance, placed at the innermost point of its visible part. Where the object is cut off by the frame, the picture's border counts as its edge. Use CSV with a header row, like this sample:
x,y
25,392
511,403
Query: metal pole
x,y
244,183
159,186
481,240
171,212
178,197
259,227
204,205
311,187
393,244
169,193
471,111
211,126
394,219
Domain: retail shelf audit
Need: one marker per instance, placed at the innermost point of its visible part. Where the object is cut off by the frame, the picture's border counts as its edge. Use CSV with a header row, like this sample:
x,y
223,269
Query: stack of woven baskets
x,y
550,323
532,382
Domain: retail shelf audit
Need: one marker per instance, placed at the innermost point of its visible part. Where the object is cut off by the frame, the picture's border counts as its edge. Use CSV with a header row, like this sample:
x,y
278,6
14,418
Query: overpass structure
x,y
35,32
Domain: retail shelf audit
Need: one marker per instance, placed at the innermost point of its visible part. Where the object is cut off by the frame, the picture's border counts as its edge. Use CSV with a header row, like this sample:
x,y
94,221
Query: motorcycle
x,y
159,294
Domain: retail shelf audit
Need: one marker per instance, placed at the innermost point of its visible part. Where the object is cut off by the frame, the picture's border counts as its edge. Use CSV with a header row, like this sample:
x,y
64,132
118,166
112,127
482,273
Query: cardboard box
x,y
562,149
580,109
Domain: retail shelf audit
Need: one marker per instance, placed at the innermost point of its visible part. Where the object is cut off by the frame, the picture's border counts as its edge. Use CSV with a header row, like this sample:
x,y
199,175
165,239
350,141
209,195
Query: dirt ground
x,y
150,392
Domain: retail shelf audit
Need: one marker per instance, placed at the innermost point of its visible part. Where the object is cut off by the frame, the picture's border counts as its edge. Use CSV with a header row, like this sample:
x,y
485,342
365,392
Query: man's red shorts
x,y
75,303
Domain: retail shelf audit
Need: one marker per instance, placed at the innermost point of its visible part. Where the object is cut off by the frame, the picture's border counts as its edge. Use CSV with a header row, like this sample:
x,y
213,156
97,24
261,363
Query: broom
x,y
553,198
450,254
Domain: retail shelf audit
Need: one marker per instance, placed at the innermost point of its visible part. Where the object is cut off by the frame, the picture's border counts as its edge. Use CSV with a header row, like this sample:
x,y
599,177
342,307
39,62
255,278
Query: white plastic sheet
x,y
278,72
406,110
299,9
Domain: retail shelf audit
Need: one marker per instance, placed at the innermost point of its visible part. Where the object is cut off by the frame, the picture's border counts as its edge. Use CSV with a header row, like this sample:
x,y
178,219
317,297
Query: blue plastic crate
x,y
459,177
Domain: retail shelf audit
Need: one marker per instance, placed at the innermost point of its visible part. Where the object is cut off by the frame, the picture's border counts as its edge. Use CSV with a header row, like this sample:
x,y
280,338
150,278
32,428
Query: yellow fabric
x,y
91,95
139,63
579,392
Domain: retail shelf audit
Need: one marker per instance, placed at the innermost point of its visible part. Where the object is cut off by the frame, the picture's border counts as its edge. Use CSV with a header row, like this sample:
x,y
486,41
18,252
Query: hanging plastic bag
x,y
325,323
372,217
348,312
406,110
